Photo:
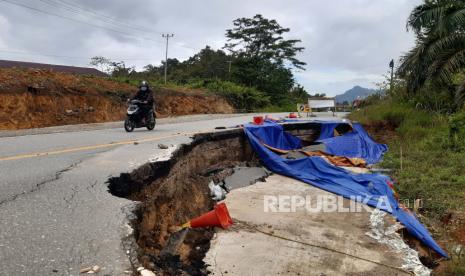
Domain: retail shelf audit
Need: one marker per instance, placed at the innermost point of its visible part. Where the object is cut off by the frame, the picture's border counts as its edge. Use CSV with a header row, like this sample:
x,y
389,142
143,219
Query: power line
x,y
105,16
76,20
90,24
76,9
37,54
63,56
82,22
111,19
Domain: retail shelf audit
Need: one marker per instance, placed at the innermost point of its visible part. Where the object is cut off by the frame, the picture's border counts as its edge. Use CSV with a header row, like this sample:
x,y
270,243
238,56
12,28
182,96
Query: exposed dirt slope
x,y
40,98
173,192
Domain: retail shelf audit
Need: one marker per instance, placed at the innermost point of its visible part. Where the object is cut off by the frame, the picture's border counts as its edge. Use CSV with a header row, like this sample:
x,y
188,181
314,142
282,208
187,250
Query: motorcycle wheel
x,y
128,125
151,123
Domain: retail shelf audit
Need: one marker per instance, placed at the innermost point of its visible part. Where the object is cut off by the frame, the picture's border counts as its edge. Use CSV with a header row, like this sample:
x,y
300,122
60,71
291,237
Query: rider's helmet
x,y
144,86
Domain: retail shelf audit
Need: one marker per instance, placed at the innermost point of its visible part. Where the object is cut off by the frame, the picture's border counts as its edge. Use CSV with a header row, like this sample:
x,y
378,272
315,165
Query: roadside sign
x,y
322,103
303,108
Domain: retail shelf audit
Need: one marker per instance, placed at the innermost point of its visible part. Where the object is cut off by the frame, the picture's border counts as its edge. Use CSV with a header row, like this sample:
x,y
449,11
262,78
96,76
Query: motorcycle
x,y
136,117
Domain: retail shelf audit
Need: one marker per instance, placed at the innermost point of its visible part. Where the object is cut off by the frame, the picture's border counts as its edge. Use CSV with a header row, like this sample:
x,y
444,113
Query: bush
x,y
391,112
395,117
408,121
241,97
457,131
431,170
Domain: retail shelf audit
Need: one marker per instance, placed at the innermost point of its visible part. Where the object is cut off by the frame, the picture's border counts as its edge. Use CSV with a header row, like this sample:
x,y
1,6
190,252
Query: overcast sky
x,y
347,42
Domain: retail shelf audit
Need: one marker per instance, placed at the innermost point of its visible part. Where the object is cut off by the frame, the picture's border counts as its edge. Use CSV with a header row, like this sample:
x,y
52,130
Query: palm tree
x,y
439,53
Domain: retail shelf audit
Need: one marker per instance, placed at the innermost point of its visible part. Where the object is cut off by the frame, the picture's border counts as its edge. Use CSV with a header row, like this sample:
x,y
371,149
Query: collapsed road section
x,y
174,191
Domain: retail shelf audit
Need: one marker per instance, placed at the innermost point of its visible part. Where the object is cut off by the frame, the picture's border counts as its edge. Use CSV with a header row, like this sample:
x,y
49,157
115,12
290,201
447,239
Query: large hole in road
x,y
174,191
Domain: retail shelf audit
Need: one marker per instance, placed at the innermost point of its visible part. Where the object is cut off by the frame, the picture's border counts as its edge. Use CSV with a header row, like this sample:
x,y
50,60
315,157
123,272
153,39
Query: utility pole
x,y
229,69
167,36
391,64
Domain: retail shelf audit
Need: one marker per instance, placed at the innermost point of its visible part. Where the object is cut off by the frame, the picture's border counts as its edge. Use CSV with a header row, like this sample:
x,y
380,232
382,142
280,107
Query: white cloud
x,y
5,27
348,42
332,82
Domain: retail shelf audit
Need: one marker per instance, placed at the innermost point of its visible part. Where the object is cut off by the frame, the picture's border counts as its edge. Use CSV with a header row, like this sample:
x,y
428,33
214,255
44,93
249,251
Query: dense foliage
x,y
262,39
261,53
438,58
253,71
422,118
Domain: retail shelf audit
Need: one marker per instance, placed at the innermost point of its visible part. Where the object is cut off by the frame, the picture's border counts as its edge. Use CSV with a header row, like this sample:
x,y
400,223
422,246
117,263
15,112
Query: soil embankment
x,y
39,98
172,192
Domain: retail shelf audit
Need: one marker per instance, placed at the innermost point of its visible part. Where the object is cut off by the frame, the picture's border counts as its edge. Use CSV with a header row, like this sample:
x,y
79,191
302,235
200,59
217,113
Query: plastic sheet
x,y
371,189
352,144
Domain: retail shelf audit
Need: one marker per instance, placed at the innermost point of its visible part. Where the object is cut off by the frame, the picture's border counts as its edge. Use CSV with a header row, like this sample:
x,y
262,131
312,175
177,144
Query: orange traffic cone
x,y
216,217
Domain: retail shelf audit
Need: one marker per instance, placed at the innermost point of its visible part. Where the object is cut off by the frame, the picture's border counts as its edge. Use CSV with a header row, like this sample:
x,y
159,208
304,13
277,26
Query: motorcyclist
x,y
145,95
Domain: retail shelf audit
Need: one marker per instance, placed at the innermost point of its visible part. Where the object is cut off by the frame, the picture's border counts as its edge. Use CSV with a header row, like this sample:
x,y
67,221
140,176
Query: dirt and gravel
x,y
174,191
32,98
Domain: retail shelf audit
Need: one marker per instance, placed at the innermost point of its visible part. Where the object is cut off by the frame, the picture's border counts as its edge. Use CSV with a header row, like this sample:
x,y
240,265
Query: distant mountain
x,y
352,94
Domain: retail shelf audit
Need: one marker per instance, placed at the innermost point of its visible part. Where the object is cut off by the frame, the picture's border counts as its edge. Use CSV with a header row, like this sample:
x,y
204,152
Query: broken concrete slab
x,y
245,176
300,242
72,221
162,146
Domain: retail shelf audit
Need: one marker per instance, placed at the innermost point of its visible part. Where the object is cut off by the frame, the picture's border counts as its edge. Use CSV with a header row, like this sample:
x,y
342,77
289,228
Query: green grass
x,y
278,108
432,169
433,164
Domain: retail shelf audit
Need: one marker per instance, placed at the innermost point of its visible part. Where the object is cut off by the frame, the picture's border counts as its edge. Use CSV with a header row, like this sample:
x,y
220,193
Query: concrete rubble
x,y
145,272
300,242
180,183
259,243
387,234
90,270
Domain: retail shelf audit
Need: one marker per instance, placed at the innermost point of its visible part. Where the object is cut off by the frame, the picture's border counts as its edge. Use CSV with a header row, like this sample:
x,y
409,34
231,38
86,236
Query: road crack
x,y
39,185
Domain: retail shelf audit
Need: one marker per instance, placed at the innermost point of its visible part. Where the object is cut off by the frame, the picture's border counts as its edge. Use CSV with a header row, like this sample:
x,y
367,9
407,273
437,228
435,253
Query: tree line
x,y
256,65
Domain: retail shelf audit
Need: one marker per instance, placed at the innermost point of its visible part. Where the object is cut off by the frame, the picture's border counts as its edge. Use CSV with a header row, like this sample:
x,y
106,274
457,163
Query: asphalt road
x,y
56,214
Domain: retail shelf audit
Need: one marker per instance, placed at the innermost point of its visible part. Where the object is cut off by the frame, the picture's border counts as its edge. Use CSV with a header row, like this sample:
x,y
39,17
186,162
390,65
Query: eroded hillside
x,y
40,98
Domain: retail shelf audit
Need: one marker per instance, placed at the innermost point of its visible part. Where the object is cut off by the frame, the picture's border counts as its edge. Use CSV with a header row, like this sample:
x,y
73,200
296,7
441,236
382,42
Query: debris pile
x,y
179,196
175,191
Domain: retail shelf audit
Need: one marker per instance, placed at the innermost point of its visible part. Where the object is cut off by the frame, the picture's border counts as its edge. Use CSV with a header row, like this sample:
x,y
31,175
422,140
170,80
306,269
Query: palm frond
x,y
439,52
460,95
438,16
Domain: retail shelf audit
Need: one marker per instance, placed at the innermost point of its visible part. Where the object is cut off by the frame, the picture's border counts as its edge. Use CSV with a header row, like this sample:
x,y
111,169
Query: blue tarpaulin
x,y
352,144
371,188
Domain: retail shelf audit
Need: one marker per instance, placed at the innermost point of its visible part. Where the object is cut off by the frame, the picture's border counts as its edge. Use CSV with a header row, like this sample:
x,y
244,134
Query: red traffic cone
x,y
216,217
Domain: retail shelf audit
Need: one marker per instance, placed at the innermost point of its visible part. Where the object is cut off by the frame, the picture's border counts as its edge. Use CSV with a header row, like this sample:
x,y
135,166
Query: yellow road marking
x,y
91,147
